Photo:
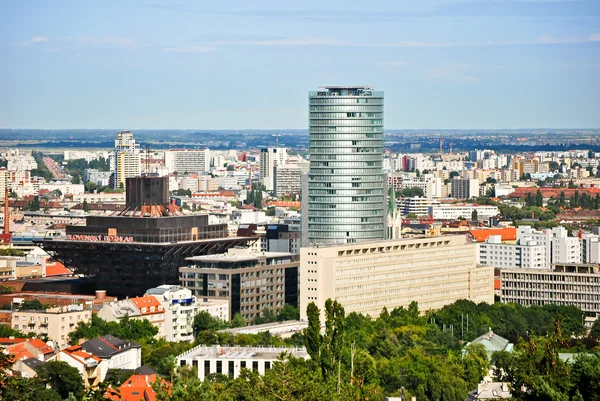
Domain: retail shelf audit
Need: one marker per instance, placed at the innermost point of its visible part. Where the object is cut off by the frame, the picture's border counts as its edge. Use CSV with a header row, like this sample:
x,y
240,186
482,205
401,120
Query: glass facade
x,y
346,180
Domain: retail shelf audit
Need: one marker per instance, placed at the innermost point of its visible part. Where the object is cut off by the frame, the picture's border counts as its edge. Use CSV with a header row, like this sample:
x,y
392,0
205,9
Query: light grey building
x,y
346,189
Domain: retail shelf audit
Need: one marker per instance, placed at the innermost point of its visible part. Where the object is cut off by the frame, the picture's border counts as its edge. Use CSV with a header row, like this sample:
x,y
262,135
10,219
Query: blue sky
x,y
241,64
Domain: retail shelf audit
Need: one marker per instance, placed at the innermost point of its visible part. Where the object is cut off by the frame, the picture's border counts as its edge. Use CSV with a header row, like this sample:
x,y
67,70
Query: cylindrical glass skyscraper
x,y
346,181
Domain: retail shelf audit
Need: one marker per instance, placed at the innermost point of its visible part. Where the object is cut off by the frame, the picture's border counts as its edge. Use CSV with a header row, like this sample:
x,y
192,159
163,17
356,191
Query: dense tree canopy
x,y
126,328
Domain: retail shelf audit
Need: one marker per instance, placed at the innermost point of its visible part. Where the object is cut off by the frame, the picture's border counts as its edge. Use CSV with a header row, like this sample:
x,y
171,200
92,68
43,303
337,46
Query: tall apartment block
x,y
125,159
187,160
345,202
365,277
270,158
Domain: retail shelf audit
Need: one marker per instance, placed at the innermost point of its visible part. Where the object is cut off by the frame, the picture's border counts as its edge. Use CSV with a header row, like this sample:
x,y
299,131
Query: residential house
x,y
114,353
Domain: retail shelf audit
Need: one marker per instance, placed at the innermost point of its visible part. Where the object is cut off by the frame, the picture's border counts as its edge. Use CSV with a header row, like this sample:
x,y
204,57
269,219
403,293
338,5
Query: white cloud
x,y
39,39
104,40
329,42
455,73
594,37
192,49
392,64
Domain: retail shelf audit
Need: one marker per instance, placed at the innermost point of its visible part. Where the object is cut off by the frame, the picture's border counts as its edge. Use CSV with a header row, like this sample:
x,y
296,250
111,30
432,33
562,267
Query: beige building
x,y
366,277
564,284
55,323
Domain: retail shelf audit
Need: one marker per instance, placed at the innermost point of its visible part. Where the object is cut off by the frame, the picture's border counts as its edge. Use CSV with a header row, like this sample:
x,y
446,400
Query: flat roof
x,y
226,257
218,352
346,87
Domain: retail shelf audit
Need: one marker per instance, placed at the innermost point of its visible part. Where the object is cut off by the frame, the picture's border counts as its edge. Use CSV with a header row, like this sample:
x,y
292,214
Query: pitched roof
x,y
507,233
19,351
493,342
145,303
41,346
33,363
10,341
107,346
136,388
79,355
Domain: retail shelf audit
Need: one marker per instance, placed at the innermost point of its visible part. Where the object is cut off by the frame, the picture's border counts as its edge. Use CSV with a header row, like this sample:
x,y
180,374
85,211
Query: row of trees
x,y
357,358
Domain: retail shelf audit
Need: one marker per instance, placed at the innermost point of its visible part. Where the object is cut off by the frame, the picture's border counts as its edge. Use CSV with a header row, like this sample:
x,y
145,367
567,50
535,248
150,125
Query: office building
x,y
464,188
250,281
125,160
143,245
565,284
230,361
187,161
366,277
417,205
270,158
346,195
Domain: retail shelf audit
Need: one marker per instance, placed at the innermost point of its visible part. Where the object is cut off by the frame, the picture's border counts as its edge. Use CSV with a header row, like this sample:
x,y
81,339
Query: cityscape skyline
x,y
447,65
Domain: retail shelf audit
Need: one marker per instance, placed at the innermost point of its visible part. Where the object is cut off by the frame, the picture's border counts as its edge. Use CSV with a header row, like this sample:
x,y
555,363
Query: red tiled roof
x,y
11,341
147,302
136,388
76,352
507,233
19,351
41,346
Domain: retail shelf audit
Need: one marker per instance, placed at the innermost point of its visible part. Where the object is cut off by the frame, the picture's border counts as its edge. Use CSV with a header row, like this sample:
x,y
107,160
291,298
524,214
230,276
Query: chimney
x,y
6,213
100,294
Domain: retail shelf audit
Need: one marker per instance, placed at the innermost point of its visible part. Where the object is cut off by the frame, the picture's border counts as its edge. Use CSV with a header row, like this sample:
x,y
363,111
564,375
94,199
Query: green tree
x,y
237,321
288,312
86,207
205,321
33,304
474,215
595,331
62,378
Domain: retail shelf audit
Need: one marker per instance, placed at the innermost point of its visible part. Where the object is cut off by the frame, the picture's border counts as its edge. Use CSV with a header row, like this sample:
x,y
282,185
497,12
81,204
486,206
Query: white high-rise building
x,y
187,161
125,159
560,248
270,158
527,254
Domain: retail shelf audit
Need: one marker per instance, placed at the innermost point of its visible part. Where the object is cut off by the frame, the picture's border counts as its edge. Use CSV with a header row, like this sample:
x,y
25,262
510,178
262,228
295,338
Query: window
x,y
219,366
255,365
231,367
243,364
206,368
267,365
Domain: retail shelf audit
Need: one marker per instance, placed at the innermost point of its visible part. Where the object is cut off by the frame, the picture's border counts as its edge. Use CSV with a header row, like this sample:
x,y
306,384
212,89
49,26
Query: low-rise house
x,y
493,342
140,308
137,387
88,365
27,367
490,391
114,353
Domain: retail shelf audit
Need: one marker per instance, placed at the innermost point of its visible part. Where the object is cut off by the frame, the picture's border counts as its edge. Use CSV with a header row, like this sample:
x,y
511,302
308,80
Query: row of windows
x,y
347,108
370,156
338,151
342,175
343,181
348,101
315,235
346,164
346,206
352,114
340,199
346,192
345,213
347,185
350,122
340,144
345,136
327,129
349,223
